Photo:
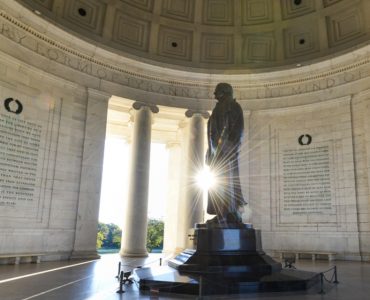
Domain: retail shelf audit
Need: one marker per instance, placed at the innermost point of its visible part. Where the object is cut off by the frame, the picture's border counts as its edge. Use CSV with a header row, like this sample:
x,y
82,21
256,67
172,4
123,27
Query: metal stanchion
x,y
120,290
335,275
119,270
322,277
200,296
322,283
160,261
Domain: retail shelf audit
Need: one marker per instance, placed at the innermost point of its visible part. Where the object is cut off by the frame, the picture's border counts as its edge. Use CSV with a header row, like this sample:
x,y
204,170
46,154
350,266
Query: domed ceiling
x,y
217,35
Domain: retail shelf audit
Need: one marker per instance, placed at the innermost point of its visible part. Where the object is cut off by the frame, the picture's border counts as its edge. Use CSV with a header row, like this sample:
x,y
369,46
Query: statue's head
x,y
223,91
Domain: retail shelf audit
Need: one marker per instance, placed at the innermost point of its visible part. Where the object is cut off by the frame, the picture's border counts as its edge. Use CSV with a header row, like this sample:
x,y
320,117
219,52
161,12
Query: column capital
x,y
190,113
171,144
137,105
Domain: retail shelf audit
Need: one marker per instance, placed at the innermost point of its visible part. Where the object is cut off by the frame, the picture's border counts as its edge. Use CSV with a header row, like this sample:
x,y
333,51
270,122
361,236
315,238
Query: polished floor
x,y
95,280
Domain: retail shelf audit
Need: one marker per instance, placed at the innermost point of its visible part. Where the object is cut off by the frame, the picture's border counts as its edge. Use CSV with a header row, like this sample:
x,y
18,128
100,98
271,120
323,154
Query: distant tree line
x,y
109,235
155,235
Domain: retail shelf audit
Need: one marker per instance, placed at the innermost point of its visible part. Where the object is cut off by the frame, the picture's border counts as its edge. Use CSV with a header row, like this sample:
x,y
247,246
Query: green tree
x,y
109,236
102,234
113,239
155,234
99,240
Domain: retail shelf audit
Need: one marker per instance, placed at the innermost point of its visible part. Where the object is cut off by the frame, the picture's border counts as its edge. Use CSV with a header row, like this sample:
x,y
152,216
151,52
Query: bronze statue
x,y
224,131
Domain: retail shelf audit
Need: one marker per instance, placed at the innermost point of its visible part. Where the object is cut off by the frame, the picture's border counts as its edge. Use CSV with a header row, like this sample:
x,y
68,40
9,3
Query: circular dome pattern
x,y
217,35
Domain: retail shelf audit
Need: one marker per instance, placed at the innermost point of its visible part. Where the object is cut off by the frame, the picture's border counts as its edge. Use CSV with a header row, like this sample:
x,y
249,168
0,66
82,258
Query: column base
x,y
126,253
84,255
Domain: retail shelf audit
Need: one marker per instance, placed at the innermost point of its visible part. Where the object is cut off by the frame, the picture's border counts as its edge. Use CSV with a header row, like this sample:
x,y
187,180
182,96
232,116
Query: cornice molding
x,y
306,107
173,83
283,35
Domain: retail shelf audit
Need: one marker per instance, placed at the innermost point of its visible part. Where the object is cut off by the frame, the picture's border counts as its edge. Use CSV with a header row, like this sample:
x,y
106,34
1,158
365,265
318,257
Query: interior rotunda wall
x,y
64,84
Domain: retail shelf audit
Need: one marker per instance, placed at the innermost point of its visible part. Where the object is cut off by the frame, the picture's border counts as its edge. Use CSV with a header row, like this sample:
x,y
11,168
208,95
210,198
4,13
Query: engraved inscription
x,y
306,181
19,154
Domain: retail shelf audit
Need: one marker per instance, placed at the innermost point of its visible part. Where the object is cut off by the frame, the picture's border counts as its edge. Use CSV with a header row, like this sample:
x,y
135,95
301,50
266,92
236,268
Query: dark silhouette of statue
x,y
224,131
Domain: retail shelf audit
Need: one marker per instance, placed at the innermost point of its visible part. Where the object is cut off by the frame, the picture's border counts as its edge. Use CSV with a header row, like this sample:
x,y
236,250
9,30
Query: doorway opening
x,y
114,192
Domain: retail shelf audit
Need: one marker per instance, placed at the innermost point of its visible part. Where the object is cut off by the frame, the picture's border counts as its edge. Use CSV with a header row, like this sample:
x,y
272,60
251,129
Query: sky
x,y
115,181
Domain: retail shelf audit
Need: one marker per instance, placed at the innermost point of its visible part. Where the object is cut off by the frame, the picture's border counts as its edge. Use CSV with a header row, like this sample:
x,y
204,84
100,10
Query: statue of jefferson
x,y
224,132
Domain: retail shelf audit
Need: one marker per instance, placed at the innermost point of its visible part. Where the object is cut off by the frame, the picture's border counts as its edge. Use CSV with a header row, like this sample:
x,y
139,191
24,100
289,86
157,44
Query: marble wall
x,y
48,148
302,178
360,113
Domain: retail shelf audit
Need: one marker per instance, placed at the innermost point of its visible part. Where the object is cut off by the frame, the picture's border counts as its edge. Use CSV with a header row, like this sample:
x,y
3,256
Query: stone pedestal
x,y
226,260
233,252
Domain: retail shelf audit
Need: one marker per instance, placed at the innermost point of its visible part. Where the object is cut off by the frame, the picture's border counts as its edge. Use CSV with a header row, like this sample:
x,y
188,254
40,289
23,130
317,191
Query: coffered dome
x,y
217,35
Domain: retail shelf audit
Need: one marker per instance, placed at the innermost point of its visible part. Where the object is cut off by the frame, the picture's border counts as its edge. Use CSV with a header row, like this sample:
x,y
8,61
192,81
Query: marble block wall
x,y
91,175
361,127
308,183
44,146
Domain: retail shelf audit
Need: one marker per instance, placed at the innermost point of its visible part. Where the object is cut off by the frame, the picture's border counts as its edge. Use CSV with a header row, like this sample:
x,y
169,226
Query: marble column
x,y
91,176
173,197
192,211
136,214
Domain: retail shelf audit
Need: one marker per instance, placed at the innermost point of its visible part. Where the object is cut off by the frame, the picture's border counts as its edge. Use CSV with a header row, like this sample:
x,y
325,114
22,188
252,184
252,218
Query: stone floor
x,y
95,280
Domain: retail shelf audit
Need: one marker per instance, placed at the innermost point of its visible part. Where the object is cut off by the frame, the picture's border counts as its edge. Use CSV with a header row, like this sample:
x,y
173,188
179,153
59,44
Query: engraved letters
x,y
19,153
306,181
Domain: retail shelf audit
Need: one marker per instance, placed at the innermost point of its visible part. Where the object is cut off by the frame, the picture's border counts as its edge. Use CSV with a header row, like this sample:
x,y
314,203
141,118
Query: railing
x,y
124,277
324,278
